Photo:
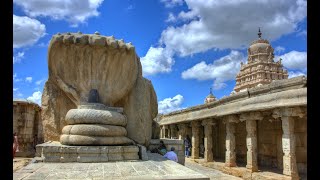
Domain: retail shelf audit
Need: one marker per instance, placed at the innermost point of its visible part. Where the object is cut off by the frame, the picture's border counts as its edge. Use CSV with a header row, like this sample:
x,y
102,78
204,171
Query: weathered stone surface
x,y
79,63
92,116
56,152
53,118
93,140
95,130
278,94
27,123
95,66
140,108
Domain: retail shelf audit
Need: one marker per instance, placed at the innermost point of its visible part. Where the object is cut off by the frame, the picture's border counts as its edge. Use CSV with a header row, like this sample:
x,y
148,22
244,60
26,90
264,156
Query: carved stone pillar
x,y
182,130
288,147
230,145
230,141
252,155
166,131
169,132
161,131
195,139
208,154
288,139
252,142
173,130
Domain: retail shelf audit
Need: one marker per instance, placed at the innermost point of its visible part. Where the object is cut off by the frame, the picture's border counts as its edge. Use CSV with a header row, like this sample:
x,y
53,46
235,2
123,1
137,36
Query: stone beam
x,y
292,98
251,116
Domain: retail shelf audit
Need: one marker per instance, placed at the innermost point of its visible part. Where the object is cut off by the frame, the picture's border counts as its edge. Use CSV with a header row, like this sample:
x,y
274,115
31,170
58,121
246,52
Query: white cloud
x,y
171,18
157,60
15,89
36,97
294,60
19,94
279,49
39,81
26,31
15,79
221,70
170,104
172,3
295,74
231,24
29,79
73,11
18,57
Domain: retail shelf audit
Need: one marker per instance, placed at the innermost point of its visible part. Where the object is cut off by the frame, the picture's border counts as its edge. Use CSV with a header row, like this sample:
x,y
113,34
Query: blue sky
x,y
185,46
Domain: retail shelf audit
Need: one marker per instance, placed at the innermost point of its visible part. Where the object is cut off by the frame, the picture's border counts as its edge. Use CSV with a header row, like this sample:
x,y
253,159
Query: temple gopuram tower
x,y
261,68
210,97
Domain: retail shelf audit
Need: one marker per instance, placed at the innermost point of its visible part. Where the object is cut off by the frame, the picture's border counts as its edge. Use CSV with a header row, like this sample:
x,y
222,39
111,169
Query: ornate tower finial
x,y
211,90
259,33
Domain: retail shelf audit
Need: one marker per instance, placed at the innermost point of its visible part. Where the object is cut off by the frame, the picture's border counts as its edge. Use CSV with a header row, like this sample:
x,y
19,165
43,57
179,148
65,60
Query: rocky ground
x,y
212,173
20,162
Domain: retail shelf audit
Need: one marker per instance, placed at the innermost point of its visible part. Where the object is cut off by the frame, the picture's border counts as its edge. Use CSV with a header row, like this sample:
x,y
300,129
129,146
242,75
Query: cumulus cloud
x,y
26,31
294,60
295,74
15,89
170,104
29,79
220,70
171,18
73,11
18,57
172,3
215,24
231,24
36,97
157,60
279,49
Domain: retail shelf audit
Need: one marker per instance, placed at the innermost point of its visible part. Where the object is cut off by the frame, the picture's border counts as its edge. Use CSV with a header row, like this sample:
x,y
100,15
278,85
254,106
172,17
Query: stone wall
x,y
269,144
300,131
241,145
176,143
222,141
27,123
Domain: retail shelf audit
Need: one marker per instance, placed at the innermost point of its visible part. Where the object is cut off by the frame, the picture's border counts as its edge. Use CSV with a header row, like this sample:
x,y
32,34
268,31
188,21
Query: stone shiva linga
x,y
95,124
96,105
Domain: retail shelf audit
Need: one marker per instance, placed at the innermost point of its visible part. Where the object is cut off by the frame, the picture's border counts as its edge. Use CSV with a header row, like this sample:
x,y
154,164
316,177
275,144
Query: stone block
x,y
115,149
115,157
88,150
126,149
130,156
142,152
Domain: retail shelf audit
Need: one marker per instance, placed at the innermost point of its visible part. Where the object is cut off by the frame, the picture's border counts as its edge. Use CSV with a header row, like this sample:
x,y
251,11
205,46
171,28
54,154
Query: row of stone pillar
x,y
288,138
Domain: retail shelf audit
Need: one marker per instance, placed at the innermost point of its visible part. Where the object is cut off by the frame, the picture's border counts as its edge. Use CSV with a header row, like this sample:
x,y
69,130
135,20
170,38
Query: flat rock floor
x,y
155,168
212,173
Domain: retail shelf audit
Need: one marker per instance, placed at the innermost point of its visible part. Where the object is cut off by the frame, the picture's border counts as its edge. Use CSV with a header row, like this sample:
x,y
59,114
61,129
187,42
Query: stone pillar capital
x,y
251,116
195,123
208,122
231,119
289,112
182,126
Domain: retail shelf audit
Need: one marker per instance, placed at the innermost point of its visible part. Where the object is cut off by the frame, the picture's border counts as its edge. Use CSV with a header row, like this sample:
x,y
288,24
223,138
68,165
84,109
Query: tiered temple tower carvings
x,y
260,68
